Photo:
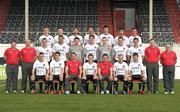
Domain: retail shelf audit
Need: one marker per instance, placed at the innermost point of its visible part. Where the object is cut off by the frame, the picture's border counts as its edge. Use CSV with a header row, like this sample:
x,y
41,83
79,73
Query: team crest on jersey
x,y
139,65
47,50
123,66
43,64
139,49
124,48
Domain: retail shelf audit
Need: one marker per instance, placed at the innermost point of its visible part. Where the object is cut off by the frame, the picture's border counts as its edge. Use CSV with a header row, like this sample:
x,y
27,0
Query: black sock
x,y
46,85
33,85
116,85
125,86
51,85
95,85
60,85
72,86
55,86
40,86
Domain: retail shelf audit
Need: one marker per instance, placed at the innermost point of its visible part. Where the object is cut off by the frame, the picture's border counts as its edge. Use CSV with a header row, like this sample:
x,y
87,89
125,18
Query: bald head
x,y
28,43
168,47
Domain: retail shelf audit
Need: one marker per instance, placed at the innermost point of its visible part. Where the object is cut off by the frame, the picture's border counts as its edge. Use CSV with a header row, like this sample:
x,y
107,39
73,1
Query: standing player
x,y
12,56
40,72
136,48
134,35
61,32
104,49
75,34
61,47
106,34
90,73
73,71
168,60
120,69
46,35
56,72
28,56
90,32
105,73
47,51
91,48
121,34
152,55
137,72
76,48
121,48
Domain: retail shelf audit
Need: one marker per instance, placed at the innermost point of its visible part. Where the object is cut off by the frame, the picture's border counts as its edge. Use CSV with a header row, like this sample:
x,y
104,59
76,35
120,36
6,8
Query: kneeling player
x,y
90,73
120,73
56,72
40,72
136,72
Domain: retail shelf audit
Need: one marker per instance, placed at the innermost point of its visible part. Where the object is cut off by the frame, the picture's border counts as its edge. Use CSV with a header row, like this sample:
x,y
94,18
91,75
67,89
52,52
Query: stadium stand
x,y
54,14
162,28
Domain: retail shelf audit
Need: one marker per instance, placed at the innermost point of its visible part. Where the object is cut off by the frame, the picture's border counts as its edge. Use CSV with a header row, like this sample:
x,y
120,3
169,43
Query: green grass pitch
x,y
91,103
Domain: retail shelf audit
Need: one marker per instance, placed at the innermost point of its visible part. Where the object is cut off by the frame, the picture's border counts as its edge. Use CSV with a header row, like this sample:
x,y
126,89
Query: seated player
x,y
56,73
89,73
120,73
137,72
105,73
73,71
40,72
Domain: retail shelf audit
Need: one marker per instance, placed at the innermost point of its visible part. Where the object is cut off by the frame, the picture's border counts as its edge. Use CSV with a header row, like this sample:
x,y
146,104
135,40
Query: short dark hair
x,y
13,41
57,53
105,54
135,39
90,55
91,36
74,53
41,53
61,36
44,39
121,38
135,54
105,26
76,38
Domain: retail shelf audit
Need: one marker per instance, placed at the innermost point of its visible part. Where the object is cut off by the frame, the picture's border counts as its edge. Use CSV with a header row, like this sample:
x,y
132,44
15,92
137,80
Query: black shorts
x,y
136,77
95,61
89,78
55,77
120,77
40,78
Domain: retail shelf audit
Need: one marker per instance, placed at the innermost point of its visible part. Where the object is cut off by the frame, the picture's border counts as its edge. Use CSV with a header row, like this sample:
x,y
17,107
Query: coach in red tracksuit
x,y
105,73
168,60
28,56
152,55
12,56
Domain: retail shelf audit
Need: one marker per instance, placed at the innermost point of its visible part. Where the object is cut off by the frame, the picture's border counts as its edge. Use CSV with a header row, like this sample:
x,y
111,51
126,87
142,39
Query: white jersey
x,y
120,50
41,67
49,38
71,39
56,67
86,39
47,52
138,50
126,40
120,68
66,39
63,49
109,37
90,68
131,40
136,68
91,49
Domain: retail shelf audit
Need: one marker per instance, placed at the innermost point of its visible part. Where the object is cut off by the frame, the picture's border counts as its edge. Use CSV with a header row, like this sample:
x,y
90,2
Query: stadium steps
x,y
174,16
4,8
105,15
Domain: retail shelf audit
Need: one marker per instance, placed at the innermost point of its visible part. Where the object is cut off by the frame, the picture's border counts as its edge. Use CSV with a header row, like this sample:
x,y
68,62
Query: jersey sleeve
x,y
63,65
51,64
47,65
35,64
142,67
